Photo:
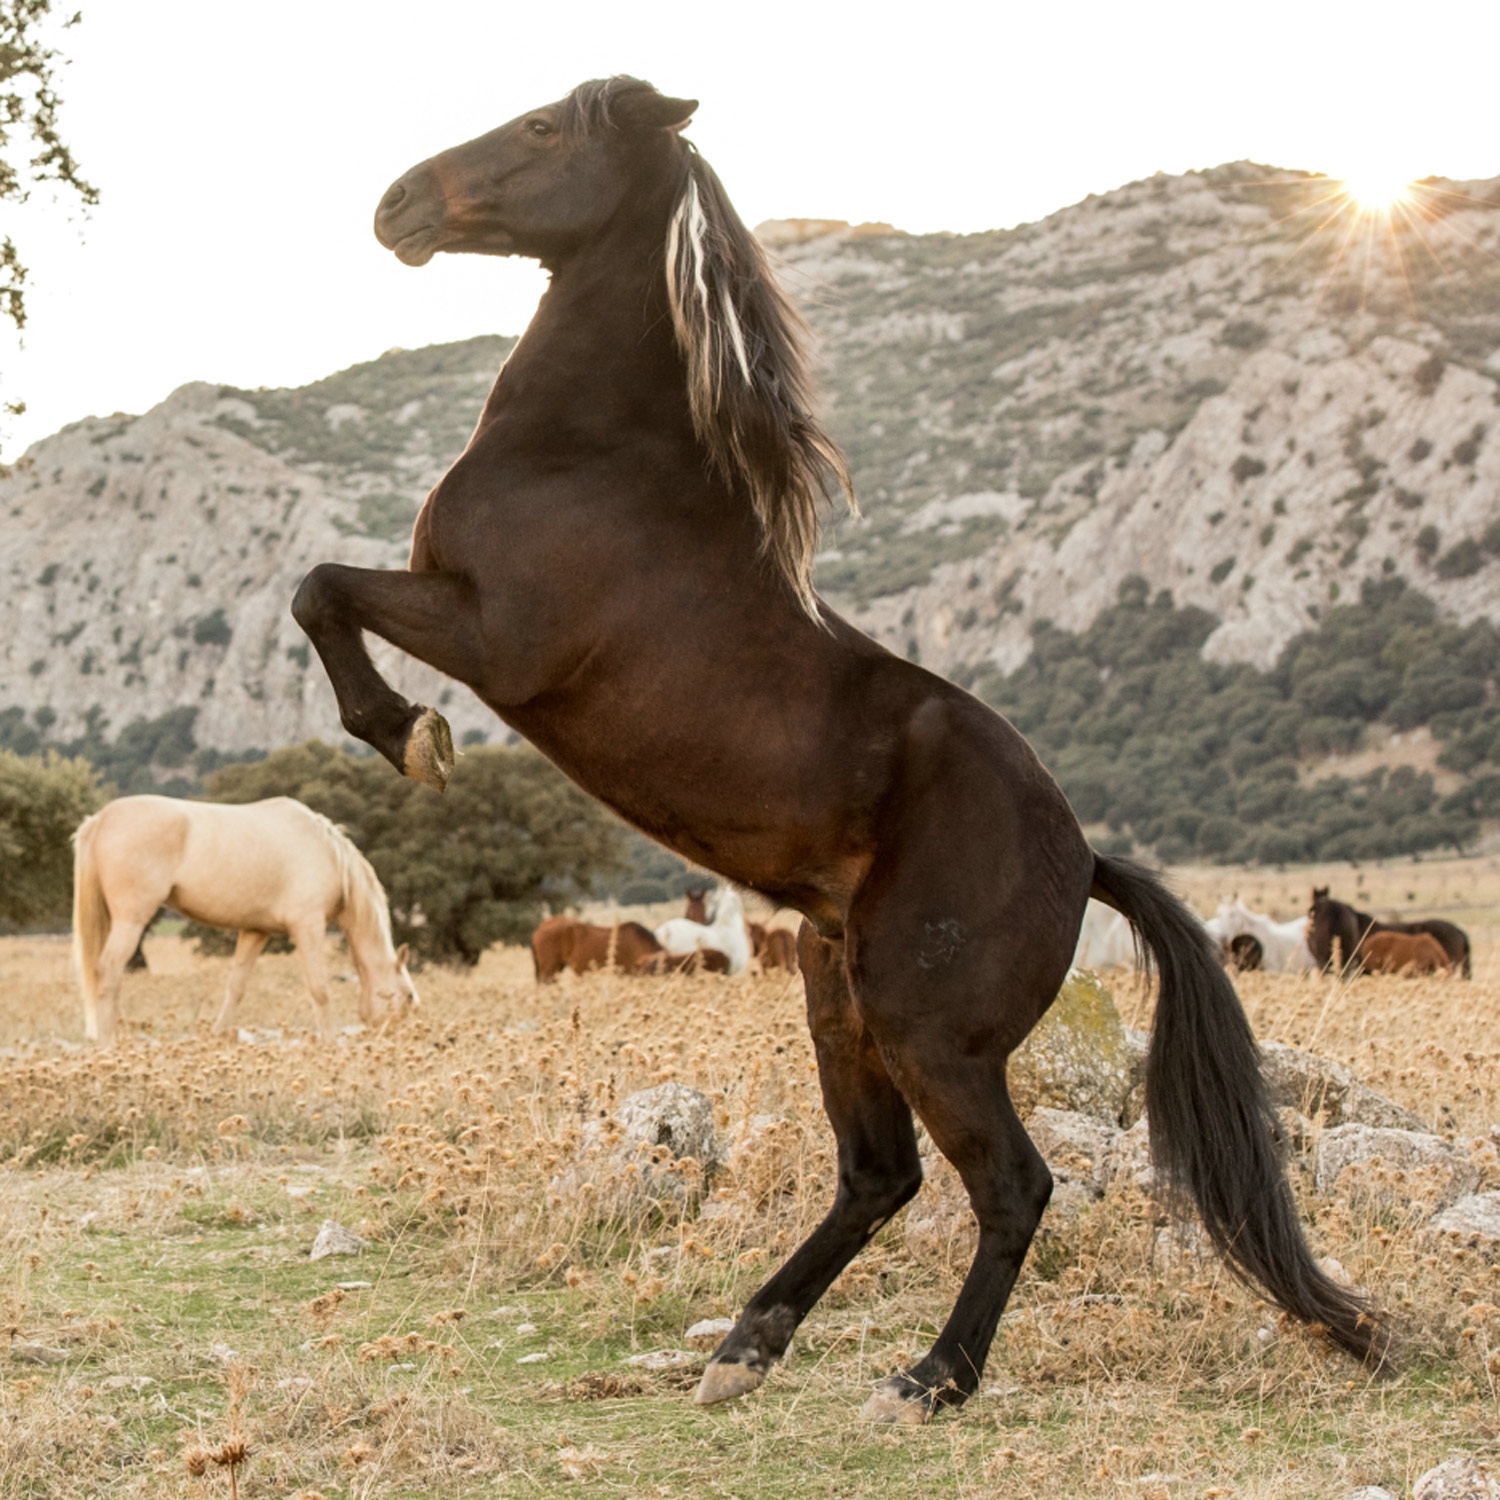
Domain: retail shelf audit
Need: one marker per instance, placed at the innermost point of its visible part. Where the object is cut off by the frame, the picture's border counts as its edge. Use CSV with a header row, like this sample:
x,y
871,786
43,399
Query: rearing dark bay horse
x,y
630,531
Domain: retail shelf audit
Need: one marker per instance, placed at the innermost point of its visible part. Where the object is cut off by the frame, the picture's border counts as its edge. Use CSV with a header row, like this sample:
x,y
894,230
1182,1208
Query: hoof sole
x,y
725,1383
428,756
894,1409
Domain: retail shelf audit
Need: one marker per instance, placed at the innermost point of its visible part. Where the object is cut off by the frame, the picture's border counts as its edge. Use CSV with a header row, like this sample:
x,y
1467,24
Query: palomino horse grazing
x,y
1403,953
639,505
1329,919
566,943
725,932
259,867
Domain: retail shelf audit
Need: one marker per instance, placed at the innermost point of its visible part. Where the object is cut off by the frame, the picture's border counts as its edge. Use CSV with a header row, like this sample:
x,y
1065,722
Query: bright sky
x,y
240,150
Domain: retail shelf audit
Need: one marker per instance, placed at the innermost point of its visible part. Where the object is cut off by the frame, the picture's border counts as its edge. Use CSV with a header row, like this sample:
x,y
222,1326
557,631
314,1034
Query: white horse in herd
x,y
1105,940
724,930
260,868
1283,945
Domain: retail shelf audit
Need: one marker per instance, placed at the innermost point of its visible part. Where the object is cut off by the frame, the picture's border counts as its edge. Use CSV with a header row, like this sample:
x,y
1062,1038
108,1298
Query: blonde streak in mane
x,y
712,338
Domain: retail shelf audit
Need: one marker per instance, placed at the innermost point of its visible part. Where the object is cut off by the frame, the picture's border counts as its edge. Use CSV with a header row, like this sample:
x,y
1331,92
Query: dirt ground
x,y
158,1203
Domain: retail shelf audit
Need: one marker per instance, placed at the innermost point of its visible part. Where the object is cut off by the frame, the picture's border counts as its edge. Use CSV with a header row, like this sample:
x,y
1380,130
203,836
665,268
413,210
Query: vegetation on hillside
x,y
1195,759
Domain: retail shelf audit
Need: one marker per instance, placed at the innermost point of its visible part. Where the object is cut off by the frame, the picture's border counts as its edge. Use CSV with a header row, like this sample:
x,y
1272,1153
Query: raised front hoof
x,y
428,754
725,1383
899,1402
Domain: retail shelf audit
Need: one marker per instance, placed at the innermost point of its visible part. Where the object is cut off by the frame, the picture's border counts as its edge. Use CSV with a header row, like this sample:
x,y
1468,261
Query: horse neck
x,y
370,943
601,341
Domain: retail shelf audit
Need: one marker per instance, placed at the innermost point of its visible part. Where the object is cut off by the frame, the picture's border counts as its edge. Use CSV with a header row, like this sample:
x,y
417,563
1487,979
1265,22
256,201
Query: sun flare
x,y
1374,191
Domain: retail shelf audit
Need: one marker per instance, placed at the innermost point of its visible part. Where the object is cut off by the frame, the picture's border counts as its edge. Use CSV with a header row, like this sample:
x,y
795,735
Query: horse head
x,y
391,989
541,185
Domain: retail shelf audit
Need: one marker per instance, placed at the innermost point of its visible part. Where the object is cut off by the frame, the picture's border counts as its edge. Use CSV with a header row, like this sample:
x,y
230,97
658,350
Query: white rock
x,y
709,1333
665,1359
126,1382
334,1239
1075,1146
524,1328
1317,1085
1457,1479
1128,1159
1476,1216
222,1354
671,1121
354,1286
1392,1166
533,1359
37,1354
1371,1492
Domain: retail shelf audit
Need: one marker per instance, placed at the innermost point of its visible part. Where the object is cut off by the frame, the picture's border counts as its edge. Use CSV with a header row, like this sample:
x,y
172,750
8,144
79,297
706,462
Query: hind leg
x,y
246,951
878,1172
949,989
101,1022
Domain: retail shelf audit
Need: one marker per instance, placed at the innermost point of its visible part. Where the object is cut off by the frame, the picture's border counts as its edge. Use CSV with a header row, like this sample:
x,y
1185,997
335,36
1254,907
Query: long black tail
x,y
1213,1133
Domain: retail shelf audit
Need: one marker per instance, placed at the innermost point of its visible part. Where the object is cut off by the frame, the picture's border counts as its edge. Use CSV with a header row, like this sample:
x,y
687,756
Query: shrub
x,y
1427,376
1462,561
42,800
1247,466
212,629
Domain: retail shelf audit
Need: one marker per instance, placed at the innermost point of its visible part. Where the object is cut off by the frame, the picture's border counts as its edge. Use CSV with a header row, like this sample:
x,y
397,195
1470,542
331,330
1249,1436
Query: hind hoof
x,y
428,756
725,1383
890,1406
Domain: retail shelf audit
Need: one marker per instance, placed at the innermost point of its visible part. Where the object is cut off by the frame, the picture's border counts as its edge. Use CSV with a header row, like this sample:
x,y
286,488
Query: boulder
x,y
1475,1218
1401,1167
708,1333
674,1116
1128,1159
635,1158
334,1239
1137,1045
1078,1057
1312,1085
1457,1479
1074,1145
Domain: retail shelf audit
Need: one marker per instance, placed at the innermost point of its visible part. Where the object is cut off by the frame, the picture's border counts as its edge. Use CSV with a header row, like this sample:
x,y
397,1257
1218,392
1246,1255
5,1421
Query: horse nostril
x,y
394,197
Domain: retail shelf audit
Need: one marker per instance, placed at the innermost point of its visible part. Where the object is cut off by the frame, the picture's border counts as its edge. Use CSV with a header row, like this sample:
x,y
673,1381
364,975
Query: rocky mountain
x,y
1228,383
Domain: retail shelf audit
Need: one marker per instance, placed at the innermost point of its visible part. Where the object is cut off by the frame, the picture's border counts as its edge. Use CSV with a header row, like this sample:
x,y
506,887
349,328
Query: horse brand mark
x,y
940,943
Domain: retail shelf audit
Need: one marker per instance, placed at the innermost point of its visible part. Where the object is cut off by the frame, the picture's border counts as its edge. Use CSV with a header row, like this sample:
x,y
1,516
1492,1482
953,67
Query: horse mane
x,y
360,888
750,388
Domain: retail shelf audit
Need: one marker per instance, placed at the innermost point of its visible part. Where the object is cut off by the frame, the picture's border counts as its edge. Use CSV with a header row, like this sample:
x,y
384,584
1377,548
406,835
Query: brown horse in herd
x,y
775,947
639,506
1403,953
566,943
1331,921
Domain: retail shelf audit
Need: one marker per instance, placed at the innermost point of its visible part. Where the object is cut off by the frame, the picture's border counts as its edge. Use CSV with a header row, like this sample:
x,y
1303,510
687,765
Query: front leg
x,y
431,616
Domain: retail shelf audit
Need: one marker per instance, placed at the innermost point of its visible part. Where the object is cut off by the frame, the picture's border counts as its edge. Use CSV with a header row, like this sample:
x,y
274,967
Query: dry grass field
x,y
157,1206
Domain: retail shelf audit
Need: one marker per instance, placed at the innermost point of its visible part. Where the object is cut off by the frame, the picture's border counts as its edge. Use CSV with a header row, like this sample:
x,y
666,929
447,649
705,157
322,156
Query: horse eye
x,y
539,127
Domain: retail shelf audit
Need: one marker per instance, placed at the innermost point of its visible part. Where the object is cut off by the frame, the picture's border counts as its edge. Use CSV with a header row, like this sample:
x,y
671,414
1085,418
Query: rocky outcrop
x,y
1149,382
1318,1087
1404,1167
1077,1057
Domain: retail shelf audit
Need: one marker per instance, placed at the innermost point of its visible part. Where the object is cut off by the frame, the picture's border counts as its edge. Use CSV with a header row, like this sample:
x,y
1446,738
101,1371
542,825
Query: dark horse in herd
x,y
1355,932
630,529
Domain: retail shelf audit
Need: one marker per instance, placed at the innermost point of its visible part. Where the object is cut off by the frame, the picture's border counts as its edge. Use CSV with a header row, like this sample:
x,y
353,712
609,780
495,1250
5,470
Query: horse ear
x,y
402,954
653,111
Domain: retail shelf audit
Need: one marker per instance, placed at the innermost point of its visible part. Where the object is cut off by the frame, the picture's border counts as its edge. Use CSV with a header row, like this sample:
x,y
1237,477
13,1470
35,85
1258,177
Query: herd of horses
x,y
716,940
631,528
1332,937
